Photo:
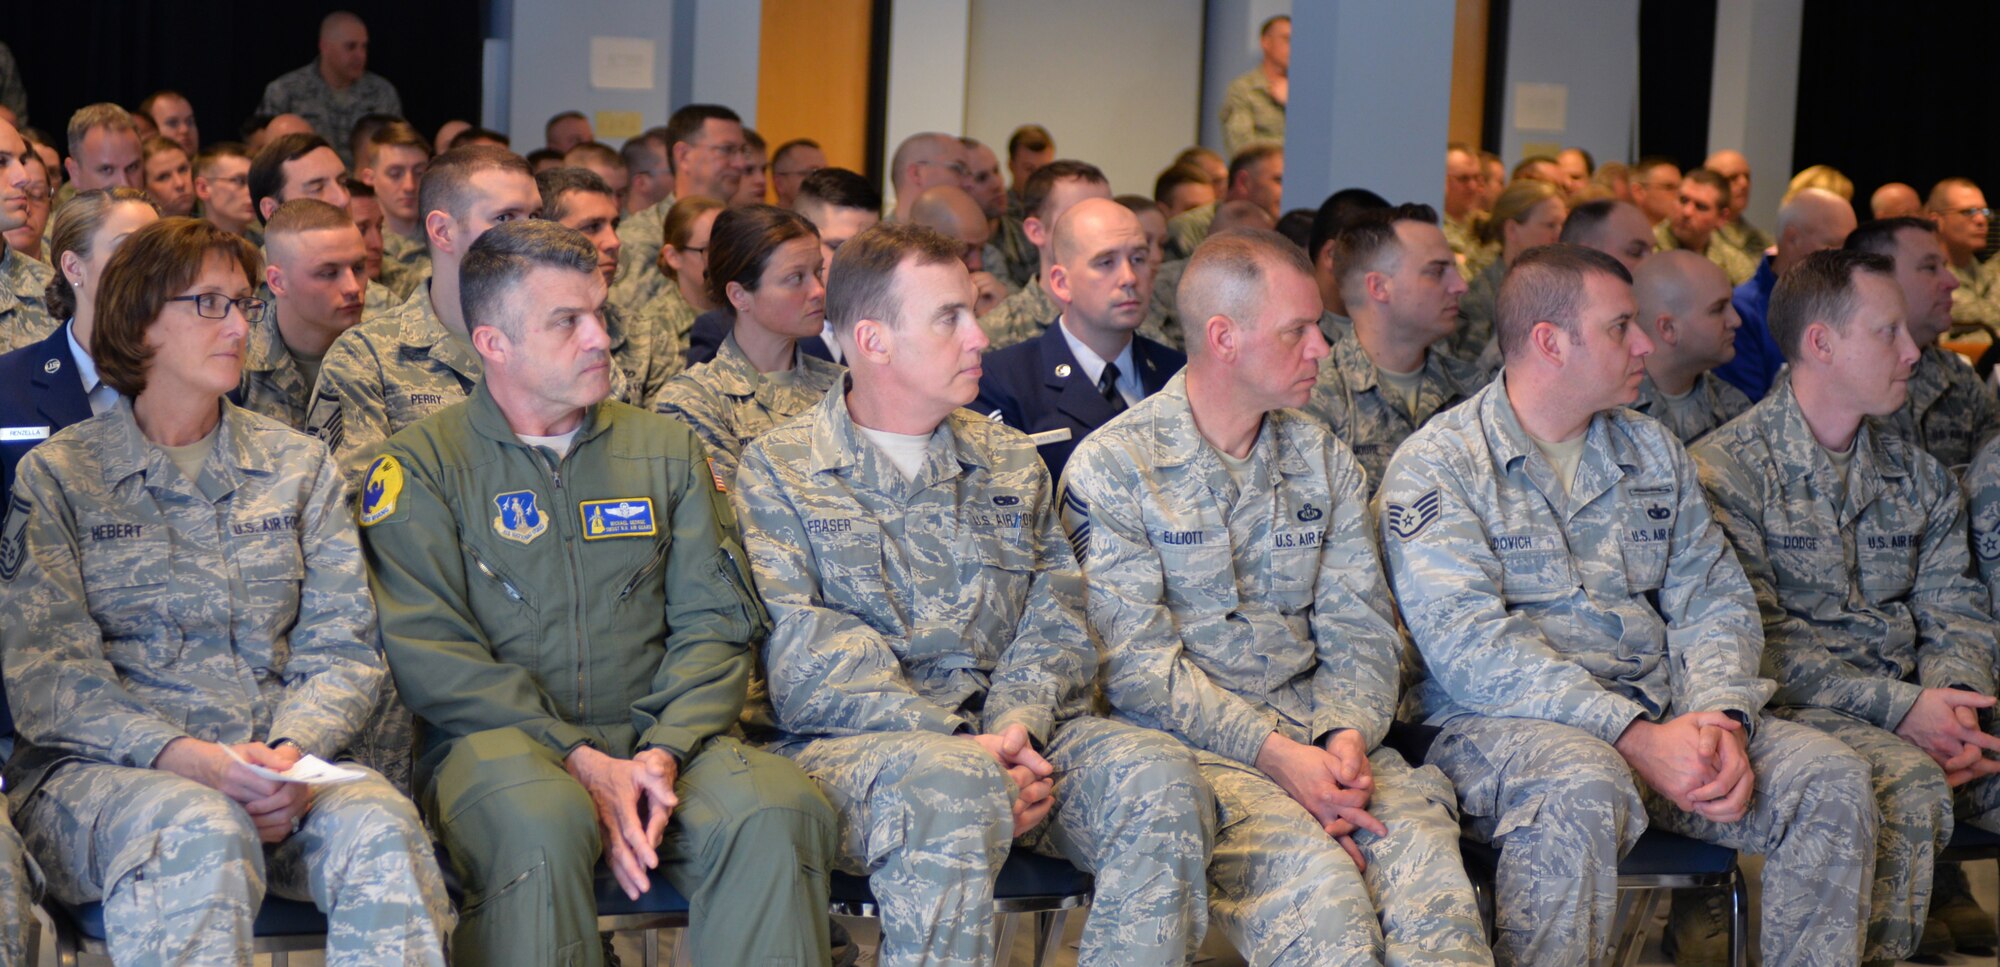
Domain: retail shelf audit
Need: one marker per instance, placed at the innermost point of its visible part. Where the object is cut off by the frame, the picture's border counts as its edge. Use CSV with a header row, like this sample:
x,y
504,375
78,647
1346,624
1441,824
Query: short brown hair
x,y
267,169
1029,137
446,184
211,153
301,215
1819,289
862,282
678,227
397,133
1035,194
103,114
1178,174
154,265
71,230
1228,274
741,243
504,255
1546,284
158,144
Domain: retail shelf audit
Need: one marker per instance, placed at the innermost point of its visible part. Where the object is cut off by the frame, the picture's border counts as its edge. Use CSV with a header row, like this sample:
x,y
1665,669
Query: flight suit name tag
x,y
617,517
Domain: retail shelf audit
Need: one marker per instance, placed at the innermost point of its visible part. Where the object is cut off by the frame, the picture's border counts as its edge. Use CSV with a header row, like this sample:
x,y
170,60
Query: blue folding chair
x,y
1661,862
1029,883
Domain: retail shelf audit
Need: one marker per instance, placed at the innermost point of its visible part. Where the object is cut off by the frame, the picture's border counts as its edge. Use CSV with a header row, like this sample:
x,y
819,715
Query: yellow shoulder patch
x,y
379,490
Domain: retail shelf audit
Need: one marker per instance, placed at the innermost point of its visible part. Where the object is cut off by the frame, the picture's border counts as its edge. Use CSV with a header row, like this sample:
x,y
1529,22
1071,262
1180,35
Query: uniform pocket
x,y
126,585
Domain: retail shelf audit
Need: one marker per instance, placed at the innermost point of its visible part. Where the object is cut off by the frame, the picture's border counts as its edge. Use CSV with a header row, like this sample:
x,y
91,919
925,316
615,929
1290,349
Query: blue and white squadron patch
x,y
520,518
617,517
1407,520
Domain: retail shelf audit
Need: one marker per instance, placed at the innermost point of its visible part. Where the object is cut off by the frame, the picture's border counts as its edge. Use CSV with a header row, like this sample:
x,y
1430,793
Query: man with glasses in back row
x,y
705,146
1959,208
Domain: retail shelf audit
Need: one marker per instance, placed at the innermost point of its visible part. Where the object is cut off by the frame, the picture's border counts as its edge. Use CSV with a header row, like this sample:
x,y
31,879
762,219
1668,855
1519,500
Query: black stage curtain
x,y
1676,64
221,53
1898,92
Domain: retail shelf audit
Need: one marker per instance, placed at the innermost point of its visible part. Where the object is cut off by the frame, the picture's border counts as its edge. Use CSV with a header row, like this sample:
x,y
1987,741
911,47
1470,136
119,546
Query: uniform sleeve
x,y
1354,621
712,616
65,694
1982,491
335,673
1955,627
444,665
1714,638
273,102
1147,670
1051,662
691,402
830,673
1488,658
1239,122
1805,672
348,412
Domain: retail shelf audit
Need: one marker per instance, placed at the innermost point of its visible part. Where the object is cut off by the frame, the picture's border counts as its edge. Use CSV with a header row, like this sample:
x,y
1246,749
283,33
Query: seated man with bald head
x,y
1895,200
925,161
1812,220
1230,567
951,212
1089,365
1050,191
1683,302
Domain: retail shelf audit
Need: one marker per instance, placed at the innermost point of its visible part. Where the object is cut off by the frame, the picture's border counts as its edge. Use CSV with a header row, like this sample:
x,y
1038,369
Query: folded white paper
x,y
310,770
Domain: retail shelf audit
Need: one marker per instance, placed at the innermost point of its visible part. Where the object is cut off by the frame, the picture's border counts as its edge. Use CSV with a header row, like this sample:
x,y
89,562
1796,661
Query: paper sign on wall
x,y
618,125
1541,107
621,63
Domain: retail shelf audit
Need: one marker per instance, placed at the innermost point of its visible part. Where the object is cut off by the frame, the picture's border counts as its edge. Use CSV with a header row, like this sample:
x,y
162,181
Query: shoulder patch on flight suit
x,y
379,489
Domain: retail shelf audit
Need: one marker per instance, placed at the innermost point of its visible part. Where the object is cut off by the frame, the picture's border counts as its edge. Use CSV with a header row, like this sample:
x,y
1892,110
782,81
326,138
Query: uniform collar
x,y
424,332
1177,441
1871,466
127,452
1608,454
485,416
837,444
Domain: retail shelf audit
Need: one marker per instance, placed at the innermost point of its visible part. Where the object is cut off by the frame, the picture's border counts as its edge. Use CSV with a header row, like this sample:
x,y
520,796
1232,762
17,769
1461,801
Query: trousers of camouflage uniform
x,y
928,818
1287,894
181,872
1917,814
1563,807
19,884
524,839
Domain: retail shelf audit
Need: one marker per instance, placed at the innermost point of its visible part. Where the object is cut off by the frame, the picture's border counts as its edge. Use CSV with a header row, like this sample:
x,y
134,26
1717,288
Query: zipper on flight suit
x,y
484,568
554,468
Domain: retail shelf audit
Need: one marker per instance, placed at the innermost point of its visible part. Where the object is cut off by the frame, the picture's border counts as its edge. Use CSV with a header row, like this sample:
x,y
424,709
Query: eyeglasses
x,y
215,305
1971,212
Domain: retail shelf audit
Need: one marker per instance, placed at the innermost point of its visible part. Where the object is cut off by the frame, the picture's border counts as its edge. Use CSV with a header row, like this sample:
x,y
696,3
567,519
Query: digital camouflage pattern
x,y
1251,115
1868,597
1709,404
1350,400
1950,410
229,609
1020,317
907,612
406,263
331,113
1734,262
641,236
24,311
1548,622
1230,611
729,403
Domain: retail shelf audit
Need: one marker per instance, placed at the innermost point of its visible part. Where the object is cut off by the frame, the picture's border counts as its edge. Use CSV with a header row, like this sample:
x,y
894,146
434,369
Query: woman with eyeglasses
x,y
188,616
765,268
684,261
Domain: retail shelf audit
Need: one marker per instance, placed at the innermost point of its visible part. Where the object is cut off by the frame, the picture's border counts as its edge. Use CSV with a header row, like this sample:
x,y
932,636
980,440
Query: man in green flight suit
x,y
534,550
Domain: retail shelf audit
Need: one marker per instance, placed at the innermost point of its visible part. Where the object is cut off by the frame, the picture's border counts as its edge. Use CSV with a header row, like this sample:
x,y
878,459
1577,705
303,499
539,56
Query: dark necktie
x,y
1107,386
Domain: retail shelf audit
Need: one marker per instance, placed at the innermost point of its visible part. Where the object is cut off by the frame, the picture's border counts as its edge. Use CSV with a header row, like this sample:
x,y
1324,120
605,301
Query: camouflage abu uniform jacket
x,y
145,607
